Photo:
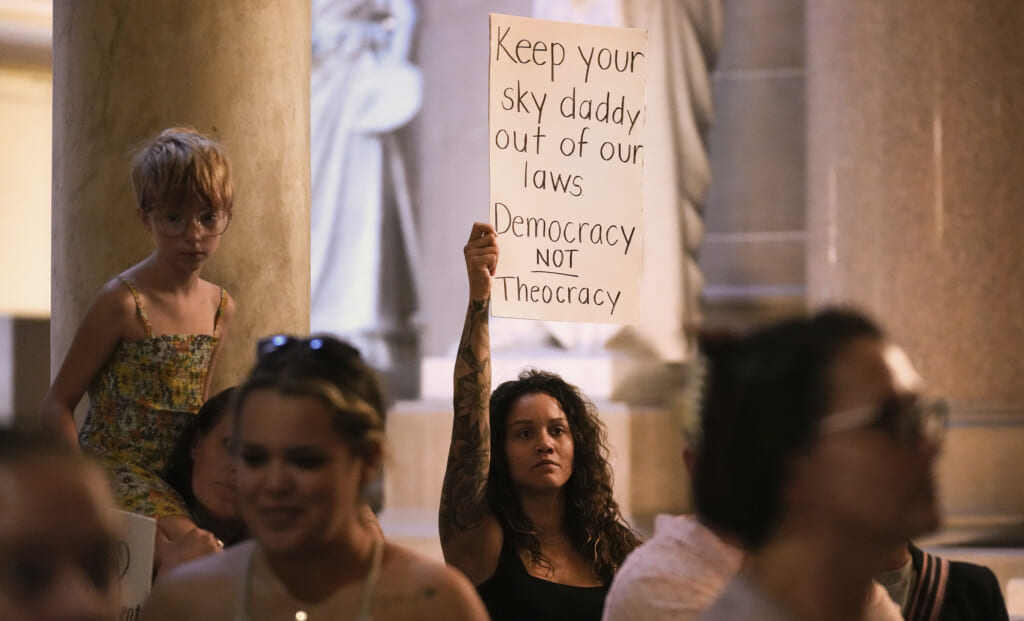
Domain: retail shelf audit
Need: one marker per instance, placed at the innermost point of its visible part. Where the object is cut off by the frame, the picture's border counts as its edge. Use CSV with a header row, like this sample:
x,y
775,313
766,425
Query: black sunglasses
x,y
282,342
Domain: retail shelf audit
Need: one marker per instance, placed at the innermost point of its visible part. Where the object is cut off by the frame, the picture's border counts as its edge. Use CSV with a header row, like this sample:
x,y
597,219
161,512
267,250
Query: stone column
x,y
916,208
238,71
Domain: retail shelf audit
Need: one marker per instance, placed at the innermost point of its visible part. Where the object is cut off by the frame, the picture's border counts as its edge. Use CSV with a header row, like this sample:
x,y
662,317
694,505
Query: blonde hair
x,y
179,163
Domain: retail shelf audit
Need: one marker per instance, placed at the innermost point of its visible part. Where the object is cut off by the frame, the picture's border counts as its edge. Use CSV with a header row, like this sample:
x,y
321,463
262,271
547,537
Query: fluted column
x,y
237,71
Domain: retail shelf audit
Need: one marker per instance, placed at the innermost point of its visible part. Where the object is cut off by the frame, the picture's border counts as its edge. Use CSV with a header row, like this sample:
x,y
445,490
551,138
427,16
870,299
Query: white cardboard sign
x,y
567,116
135,562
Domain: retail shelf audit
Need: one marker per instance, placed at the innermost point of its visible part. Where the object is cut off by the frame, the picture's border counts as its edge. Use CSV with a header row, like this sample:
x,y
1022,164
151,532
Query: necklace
x,y
369,587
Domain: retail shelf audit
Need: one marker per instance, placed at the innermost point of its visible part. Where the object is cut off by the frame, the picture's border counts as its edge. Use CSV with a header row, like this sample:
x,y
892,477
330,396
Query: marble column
x,y
238,71
915,198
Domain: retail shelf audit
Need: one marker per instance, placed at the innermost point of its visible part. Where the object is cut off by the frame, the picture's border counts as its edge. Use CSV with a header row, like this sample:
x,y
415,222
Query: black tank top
x,y
512,594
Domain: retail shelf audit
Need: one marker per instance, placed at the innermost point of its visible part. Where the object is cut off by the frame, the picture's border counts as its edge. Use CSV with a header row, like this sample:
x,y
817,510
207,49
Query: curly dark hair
x,y
592,517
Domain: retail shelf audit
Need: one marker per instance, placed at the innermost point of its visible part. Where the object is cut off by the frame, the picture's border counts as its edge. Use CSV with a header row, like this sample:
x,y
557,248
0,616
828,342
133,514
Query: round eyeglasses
x,y
172,222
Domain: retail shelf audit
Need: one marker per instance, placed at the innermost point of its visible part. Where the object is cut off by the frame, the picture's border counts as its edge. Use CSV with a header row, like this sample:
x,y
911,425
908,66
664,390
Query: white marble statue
x,y
362,89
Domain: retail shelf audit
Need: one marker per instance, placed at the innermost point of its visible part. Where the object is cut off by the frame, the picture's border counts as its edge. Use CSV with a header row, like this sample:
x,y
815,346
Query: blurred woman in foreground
x,y
310,436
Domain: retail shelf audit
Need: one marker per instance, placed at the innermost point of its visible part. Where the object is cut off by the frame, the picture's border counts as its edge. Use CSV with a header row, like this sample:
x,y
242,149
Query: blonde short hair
x,y
179,163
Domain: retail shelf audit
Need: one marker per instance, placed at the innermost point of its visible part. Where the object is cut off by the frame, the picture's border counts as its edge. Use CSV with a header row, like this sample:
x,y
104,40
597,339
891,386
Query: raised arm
x,y
93,344
470,535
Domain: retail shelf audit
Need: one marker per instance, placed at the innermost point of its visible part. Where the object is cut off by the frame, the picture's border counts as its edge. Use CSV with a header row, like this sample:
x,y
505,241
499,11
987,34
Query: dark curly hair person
x,y
527,510
202,470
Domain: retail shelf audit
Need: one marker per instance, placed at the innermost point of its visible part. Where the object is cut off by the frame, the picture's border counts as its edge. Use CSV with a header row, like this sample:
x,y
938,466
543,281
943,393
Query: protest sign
x,y
566,121
135,562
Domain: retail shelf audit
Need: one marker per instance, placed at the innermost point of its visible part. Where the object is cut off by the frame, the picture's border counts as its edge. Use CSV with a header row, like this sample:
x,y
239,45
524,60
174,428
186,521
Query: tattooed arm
x,y
470,535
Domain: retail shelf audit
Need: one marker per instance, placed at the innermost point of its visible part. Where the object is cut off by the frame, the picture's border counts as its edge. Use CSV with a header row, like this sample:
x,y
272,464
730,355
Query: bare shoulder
x,y
113,311
115,296
204,588
414,586
213,291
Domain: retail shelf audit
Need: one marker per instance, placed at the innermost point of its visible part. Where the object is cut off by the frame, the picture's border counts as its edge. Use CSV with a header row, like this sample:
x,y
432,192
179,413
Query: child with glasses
x,y
146,346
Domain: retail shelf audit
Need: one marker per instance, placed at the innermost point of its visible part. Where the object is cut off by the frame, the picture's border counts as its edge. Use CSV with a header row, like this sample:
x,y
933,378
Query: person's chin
x,y
545,482
282,542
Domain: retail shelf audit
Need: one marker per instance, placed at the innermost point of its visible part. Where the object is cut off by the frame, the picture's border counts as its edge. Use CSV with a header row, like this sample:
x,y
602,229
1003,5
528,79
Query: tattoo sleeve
x,y
463,499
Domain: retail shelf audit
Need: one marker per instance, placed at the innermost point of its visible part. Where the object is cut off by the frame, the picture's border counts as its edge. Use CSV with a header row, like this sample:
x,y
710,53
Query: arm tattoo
x,y
463,498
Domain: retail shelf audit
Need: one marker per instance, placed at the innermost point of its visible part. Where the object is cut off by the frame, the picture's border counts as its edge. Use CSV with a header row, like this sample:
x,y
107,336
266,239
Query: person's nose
x,y
545,444
193,228
277,479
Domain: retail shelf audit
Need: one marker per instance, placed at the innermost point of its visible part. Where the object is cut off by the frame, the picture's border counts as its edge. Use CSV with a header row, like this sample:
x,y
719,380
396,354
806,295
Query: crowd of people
x,y
810,444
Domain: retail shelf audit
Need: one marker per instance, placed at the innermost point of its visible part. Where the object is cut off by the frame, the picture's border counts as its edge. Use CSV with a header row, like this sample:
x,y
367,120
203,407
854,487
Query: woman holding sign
x,y
527,511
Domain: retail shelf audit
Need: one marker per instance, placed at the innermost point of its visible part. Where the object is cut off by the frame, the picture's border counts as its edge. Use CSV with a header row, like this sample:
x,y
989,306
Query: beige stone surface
x,y
753,252
238,71
762,35
915,184
981,474
757,152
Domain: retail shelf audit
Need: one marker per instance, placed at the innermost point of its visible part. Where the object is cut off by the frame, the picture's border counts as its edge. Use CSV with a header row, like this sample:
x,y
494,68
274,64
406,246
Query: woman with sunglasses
x,y
527,511
817,455
309,424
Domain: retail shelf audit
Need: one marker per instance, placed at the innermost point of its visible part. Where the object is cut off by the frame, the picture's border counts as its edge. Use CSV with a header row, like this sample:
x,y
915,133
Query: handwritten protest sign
x,y
135,562
567,115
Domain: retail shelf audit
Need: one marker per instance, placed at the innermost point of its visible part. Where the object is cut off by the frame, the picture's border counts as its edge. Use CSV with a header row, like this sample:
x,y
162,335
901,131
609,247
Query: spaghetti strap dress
x,y
140,403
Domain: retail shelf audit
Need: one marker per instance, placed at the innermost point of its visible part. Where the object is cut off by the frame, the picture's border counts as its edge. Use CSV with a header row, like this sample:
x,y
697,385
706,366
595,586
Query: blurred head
x,y
58,535
546,436
202,467
310,436
815,419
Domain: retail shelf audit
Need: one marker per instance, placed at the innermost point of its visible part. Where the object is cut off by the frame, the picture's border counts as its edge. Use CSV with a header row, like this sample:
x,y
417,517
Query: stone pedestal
x,y
238,71
915,190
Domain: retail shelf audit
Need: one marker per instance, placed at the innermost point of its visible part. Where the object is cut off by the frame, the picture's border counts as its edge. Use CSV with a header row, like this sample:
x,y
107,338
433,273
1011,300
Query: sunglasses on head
x,y
282,342
904,418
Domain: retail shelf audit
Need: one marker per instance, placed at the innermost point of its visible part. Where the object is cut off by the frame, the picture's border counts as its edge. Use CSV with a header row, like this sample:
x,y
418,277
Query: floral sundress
x,y
140,403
